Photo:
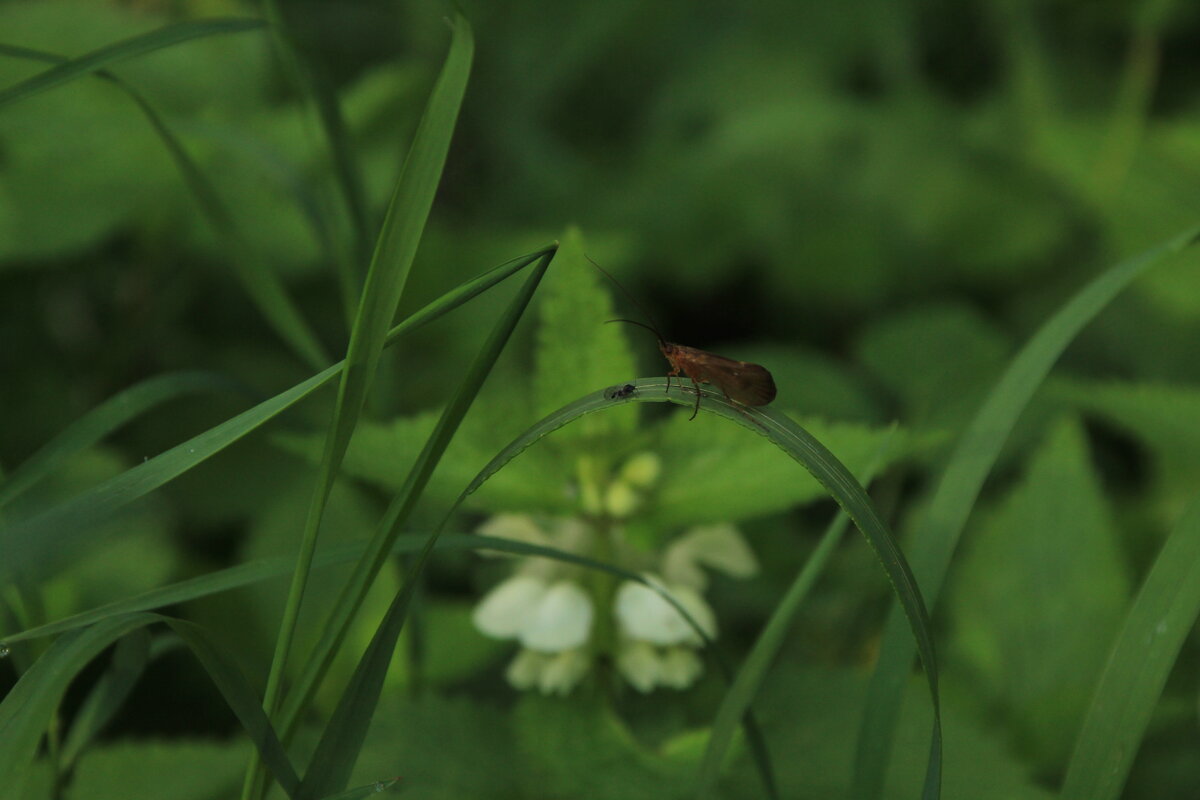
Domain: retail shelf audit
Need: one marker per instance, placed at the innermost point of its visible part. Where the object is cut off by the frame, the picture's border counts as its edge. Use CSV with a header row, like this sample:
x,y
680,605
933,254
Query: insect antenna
x,y
653,326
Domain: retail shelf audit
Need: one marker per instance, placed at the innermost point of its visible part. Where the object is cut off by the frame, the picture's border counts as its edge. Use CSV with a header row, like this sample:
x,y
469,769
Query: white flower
x,y
680,667
645,614
720,547
545,617
563,670
639,663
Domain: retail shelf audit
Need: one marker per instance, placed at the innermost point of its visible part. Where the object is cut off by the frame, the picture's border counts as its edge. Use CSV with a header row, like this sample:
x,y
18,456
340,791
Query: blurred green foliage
x,y
879,200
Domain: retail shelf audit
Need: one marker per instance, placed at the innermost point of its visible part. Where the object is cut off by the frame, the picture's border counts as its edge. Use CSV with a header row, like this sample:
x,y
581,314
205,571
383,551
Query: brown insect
x,y
740,381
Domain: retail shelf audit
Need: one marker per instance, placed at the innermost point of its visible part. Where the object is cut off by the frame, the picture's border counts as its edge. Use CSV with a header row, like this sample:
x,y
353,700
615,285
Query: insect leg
x,y
696,410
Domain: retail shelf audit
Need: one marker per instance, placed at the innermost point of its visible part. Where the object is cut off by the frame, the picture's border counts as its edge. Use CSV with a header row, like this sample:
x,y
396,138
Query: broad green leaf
x,y
713,472
961,481
576,351
444,748
1038,596
583,742
1162,617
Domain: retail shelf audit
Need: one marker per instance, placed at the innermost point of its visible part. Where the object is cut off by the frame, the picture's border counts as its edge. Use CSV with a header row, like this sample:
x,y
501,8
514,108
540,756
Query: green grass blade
x,y
26,710
388,273
107,696
125,49
121,408
262,285
1161,618
969,464
342,739
28,545
749,678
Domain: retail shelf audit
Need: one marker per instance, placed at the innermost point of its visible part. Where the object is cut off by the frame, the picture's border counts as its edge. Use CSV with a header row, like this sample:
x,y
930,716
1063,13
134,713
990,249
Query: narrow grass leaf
x,y
26,710
1161,618
129,660
962,479
395,249
125,49
261,284
27,545
112,414
342,739
749,677
265,569
364,791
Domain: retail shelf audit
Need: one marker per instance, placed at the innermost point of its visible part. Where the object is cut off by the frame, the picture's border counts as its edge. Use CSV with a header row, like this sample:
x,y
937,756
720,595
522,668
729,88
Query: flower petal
x,y
720,547
646,615
561,620
680,667
506,609
563,671
640,664
526,669
518,527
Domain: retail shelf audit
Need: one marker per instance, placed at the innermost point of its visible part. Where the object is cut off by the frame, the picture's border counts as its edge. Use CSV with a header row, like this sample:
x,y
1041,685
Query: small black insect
x,y
620,392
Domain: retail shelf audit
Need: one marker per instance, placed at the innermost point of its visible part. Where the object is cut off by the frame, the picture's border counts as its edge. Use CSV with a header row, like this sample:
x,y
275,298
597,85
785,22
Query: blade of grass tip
x,y
320,93
123,50
364,791
112,414
338,749
106,697
394,252
1148,645
969,464
28,707
750,676
262,285
27,545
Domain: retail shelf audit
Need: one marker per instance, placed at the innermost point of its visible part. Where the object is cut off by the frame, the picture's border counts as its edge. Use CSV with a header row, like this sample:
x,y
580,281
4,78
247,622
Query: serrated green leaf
x,y
576,351
1039,594
713,472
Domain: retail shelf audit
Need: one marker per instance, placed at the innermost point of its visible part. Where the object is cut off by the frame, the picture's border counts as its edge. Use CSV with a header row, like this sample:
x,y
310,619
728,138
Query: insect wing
x,y
748,384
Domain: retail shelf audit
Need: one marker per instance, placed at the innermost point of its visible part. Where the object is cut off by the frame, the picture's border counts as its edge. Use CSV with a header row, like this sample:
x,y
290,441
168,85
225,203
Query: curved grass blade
x,y
749,678
27,708
105,418
823,466
1161,618
122,50
962,479
262,285
28,545
342,739
403,224
107,696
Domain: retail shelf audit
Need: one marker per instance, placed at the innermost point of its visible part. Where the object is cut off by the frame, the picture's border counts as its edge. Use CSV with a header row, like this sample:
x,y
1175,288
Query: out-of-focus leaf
x,y
1038,596
169,770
